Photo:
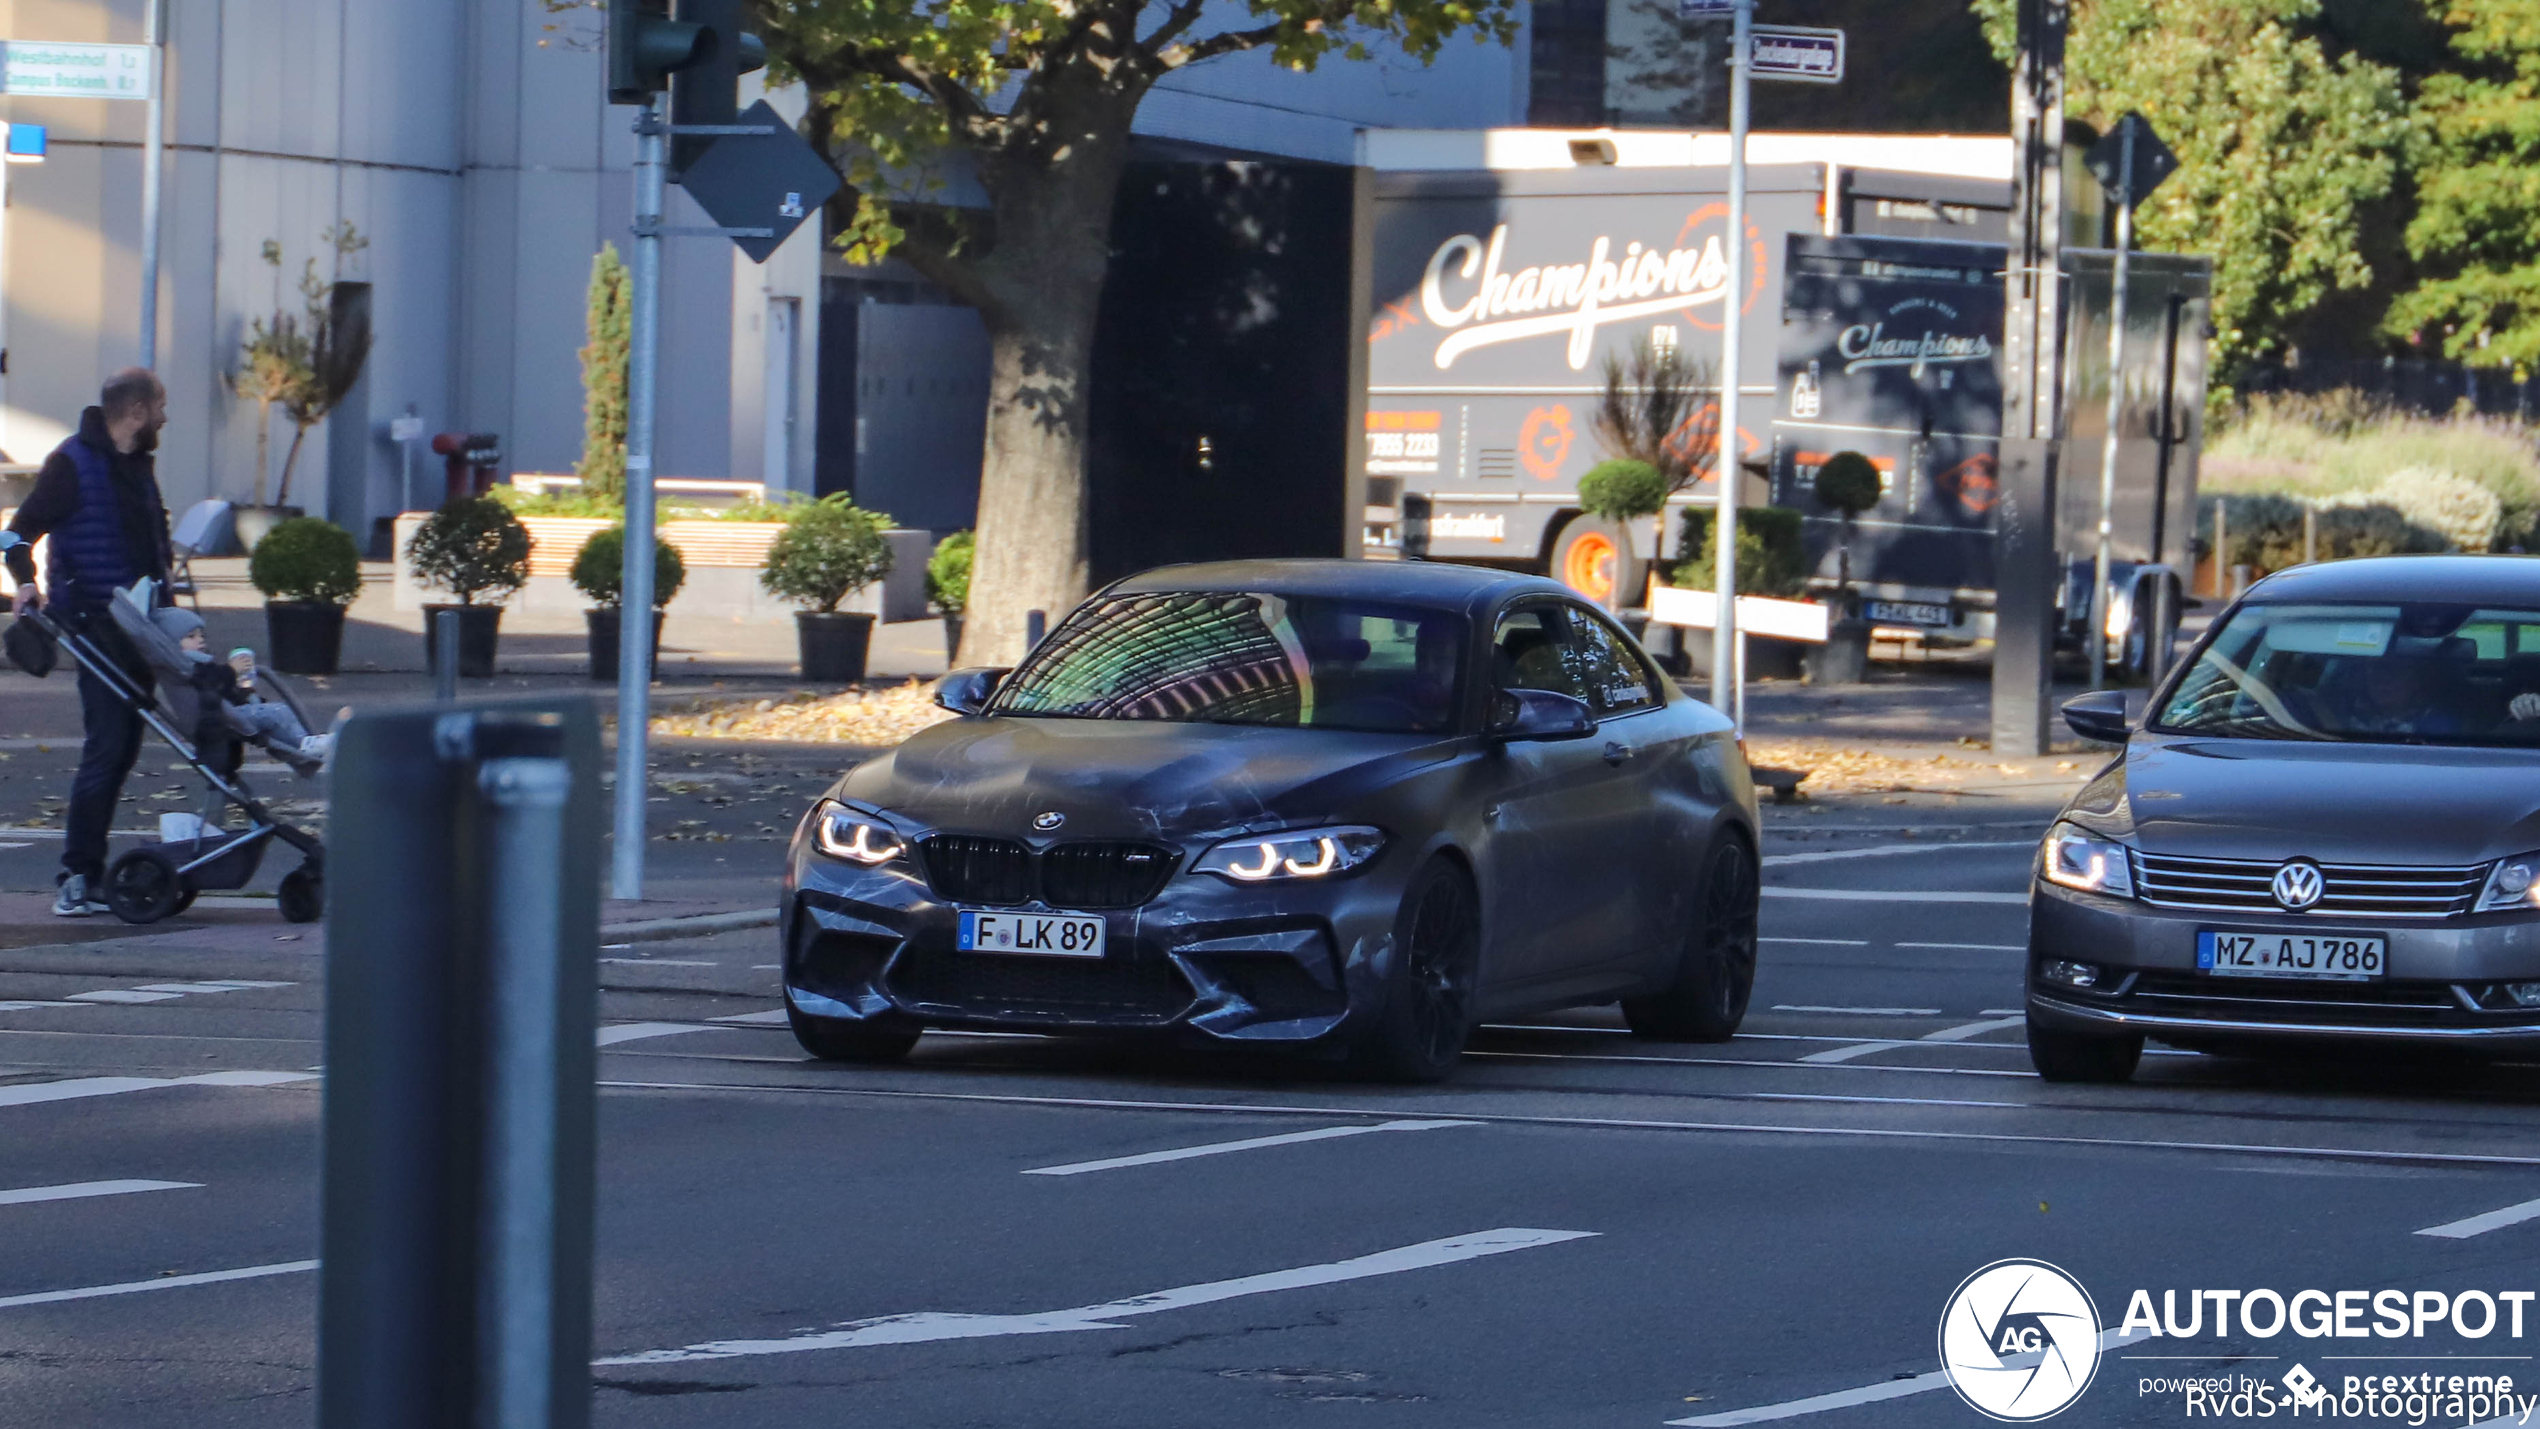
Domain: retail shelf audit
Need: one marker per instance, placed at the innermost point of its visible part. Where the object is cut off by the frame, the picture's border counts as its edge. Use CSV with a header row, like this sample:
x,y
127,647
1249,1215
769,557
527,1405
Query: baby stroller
x,y
160,880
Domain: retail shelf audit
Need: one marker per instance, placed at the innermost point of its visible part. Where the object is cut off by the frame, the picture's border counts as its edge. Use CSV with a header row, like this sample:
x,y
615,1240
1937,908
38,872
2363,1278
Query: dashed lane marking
x,y
2481,1224
165,1282
638,1031
1773,860
163,991
931,1326
1857,1049
23,1006
1222,1148
81,1190
1959,1033
1973,1029
1973,947
769,1018
28,1093
1859,1011
1823,942
1885,1389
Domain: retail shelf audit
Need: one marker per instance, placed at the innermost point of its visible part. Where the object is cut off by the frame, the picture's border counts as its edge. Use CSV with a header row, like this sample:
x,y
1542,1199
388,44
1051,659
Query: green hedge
x,y
1770,560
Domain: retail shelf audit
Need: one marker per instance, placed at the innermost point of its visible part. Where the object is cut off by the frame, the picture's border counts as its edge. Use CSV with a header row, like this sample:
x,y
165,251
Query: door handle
x,y
1617,753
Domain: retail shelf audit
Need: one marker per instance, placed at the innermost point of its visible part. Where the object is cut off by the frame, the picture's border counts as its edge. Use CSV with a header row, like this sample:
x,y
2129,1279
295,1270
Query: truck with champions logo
x,y
1500,280
1888,347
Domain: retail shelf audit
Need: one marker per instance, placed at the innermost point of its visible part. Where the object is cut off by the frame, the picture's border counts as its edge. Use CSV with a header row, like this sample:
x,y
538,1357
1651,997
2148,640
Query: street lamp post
x,y
1728,683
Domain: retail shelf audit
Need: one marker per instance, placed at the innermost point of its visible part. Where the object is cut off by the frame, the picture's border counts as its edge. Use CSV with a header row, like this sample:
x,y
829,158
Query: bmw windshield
x,y
2419,673
1252,658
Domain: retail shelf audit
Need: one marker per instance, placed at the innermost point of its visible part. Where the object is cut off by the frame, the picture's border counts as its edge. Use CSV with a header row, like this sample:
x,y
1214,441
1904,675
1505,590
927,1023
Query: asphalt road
x,y
1581,1229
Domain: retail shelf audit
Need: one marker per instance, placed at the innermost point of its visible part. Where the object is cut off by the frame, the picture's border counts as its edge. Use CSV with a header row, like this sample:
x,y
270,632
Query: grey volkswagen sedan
x,y
2325,834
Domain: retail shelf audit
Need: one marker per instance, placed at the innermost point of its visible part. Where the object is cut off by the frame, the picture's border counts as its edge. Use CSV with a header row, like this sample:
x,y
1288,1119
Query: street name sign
x,y
38,68
761,186
1793,52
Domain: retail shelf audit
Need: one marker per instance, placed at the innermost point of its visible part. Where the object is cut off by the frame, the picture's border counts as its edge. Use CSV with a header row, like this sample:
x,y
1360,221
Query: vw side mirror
x,y
966,692
2099,715
1539,714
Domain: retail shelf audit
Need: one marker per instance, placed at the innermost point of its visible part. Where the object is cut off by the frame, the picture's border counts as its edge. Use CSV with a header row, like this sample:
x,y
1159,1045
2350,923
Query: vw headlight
x,y
1301,853
2513,884
2073,858
855,836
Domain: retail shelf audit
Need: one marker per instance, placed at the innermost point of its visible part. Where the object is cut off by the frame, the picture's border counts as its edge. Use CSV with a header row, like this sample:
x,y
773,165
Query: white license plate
x,y
1906,612
2341,957
1053,935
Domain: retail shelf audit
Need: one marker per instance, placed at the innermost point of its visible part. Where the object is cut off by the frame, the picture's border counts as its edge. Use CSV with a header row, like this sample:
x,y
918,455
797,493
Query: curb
x,y
655,930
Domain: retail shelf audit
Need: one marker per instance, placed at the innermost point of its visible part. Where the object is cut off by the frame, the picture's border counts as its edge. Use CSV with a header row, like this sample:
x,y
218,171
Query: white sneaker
x,y
72,901
317,746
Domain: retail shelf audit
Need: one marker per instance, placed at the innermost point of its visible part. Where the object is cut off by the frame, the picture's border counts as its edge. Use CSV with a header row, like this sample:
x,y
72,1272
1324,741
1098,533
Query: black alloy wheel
x,y
1707,1000
144,887
838,1039
1428,1012
2062,1056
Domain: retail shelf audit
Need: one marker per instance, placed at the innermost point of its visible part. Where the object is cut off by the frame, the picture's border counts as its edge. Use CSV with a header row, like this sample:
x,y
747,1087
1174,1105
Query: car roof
x,y
1439,584
2473,580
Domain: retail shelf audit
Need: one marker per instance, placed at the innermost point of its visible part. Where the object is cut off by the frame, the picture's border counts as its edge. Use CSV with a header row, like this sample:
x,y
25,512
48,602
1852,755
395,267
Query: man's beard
x,y
145,441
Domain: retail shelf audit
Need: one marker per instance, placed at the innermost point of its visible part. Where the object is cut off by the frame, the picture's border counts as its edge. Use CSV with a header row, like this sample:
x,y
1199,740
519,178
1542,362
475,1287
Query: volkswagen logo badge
x,y
1052,818
2298,885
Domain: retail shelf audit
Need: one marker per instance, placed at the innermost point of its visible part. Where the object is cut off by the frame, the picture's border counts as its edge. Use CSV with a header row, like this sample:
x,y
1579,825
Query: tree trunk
x,y
1040,291
290,459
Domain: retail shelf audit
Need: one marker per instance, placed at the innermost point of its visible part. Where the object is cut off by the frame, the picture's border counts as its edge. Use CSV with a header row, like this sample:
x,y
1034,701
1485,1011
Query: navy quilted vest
x,y
90,556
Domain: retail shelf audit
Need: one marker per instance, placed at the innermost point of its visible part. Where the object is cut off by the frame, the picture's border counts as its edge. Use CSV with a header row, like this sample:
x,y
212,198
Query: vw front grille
x,y
2353,890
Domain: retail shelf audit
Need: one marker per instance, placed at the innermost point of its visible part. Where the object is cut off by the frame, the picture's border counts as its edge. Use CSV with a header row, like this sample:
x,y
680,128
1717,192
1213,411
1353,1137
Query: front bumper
x,y
2440,990
1203,962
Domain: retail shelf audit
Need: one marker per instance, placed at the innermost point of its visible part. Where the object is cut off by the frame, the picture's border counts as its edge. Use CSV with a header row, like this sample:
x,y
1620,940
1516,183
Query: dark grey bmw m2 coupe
x,y
1320,804
2326,834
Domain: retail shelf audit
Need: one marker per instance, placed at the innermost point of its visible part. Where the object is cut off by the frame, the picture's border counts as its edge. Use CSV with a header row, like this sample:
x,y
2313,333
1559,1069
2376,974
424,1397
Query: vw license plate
x,y
2339,956
1055,935
1908,612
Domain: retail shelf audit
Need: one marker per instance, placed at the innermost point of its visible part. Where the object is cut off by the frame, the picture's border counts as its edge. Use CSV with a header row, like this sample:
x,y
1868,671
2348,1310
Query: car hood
x,y
2338,803
1131,778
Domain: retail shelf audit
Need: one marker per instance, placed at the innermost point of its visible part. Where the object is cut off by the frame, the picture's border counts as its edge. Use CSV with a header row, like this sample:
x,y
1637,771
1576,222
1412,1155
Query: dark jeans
x,y
110,742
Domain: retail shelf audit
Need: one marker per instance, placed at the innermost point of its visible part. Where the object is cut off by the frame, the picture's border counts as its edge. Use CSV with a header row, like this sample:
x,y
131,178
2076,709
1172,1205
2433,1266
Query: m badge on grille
x,y
2298,885
1048,820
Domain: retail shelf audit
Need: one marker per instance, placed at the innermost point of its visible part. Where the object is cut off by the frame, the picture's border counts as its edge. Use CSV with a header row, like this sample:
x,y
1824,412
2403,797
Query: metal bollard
x,y
1036,623
445,655
461,1011
2164,634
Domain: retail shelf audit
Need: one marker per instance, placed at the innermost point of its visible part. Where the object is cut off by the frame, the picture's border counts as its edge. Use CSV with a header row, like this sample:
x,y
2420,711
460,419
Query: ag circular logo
x,y
2019,1340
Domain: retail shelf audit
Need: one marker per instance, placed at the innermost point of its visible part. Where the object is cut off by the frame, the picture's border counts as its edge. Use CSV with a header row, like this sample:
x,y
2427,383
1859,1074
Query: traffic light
x,y
646,46
707,91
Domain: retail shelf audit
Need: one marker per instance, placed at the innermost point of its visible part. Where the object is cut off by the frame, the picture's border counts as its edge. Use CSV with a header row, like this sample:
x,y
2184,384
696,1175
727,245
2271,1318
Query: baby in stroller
x,y
233,684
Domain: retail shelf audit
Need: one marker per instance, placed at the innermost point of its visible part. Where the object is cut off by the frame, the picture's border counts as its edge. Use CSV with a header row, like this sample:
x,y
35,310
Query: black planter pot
x,y
304,637
952,636
834,644
604,625
1845,657
478,627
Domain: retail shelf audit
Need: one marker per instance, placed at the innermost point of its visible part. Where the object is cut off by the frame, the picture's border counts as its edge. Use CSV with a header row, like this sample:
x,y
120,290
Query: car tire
x,y
2061,1056
1716,973
1428,1009
837,1039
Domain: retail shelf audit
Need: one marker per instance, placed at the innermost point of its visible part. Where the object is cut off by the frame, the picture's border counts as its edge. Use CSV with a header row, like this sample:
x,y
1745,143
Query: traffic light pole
x,y
1728,673
635,600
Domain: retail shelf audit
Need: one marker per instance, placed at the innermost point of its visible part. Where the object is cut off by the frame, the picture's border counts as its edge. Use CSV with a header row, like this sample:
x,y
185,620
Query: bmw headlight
x,y
854,835
2513,884
1299,853
2075,858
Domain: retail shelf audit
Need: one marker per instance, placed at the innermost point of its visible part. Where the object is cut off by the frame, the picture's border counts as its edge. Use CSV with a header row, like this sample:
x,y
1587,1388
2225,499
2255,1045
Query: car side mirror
x,y
2099,715
967,692
1539,714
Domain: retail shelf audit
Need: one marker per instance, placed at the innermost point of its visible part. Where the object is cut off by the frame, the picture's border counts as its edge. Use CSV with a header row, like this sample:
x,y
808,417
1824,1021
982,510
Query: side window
x,y
1615,679
1528,652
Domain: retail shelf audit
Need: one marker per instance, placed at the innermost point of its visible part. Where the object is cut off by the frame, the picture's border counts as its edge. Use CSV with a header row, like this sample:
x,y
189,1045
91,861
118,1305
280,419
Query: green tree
x,y
2282,148
2476,231
1033,100
608,324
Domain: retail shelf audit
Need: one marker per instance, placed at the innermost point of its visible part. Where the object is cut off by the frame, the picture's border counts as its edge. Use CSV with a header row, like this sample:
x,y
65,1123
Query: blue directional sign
x,y
1792,52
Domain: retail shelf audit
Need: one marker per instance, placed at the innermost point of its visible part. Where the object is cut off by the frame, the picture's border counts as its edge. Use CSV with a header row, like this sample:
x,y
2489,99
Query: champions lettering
x,y
1868,345
2323,1314
1466,288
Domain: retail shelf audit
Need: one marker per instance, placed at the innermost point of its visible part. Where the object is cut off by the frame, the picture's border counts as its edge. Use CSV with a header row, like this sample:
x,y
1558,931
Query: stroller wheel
x,y
144,887
302,895
185,900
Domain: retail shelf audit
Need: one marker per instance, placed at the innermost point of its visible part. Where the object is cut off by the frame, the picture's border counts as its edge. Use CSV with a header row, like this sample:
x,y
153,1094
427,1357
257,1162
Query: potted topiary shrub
x,y
309,570
599,571
829,550
1624,490
477,550
948,585
1849,484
